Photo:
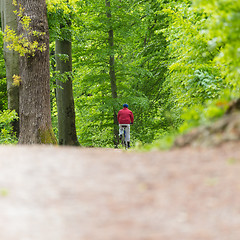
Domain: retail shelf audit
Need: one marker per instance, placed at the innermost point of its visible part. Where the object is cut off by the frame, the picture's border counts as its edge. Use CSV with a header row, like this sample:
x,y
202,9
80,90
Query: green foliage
x,y
140,72
176,63
194,77
6,131
203,42
54,113
3,94
223,30
163,143
203,114
16,80
22,43
3,83
197,79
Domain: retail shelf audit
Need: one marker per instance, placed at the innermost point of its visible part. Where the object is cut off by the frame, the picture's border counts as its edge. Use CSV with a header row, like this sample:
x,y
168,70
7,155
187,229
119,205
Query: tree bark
x,y
112,73
11,59
35,110
65,100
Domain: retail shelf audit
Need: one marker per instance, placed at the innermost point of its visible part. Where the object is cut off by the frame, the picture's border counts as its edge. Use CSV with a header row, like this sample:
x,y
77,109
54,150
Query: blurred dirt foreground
x,y
69,193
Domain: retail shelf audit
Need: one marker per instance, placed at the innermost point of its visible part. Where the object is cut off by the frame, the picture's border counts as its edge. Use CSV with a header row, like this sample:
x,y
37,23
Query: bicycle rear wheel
x,y
124,143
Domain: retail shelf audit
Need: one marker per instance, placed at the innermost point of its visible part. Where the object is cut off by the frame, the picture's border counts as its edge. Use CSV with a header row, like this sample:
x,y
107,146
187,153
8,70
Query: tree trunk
x,y
112,73
65,101
35,110
11,59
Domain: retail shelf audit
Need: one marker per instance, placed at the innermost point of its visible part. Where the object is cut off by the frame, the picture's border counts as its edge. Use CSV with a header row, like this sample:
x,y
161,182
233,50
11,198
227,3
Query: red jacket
x,y
125,116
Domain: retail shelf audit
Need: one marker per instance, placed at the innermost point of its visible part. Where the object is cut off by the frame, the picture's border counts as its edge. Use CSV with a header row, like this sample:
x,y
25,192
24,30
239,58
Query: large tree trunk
x,y
112,73
35,110
65,101
11,59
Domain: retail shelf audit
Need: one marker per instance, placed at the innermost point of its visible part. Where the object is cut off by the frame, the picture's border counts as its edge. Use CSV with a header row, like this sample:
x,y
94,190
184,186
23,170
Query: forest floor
x,y
69,193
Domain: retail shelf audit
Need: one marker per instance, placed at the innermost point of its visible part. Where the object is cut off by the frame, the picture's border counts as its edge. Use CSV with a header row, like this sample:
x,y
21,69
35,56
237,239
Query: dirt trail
x,y
60,193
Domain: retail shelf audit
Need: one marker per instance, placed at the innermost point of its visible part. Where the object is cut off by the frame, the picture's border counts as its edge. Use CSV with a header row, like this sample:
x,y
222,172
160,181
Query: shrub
x,y
7,136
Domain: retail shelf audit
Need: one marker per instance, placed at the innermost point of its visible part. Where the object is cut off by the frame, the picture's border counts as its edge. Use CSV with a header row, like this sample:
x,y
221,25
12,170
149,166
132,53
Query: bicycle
x,y
123,138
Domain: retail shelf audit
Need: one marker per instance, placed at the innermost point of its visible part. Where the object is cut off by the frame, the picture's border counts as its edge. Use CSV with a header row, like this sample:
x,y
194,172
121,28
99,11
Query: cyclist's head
x,y
125,105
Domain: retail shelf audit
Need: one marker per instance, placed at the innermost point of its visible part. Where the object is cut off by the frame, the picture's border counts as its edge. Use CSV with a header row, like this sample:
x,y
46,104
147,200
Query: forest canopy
x,y
176,64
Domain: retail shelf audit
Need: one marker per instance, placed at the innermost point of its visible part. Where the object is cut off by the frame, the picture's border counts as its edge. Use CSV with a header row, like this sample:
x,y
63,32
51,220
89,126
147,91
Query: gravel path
x,y
66,193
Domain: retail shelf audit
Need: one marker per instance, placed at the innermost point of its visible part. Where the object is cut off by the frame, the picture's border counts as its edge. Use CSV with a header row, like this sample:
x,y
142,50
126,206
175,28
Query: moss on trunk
x,y
47,136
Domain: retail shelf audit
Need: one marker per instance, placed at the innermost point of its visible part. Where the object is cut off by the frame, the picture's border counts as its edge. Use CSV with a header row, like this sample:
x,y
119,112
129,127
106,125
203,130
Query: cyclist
x,y
125,118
